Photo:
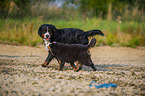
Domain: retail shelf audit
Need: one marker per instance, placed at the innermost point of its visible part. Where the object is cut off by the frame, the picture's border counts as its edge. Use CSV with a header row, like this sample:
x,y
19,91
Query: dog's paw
x,y
60,69
44,64
95,69
78,68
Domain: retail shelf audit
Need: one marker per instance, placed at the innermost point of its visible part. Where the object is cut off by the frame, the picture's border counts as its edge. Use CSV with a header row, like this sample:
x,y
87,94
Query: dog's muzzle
x,y
46,36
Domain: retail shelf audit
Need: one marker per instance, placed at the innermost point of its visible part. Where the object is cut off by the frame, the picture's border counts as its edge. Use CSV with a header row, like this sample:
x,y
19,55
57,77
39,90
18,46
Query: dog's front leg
x,y
48,59
73,66
79,67
61,64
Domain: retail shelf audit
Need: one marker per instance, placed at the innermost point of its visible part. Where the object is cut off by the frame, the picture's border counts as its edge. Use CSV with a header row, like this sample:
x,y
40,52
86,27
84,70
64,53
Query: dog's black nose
x,y
47,36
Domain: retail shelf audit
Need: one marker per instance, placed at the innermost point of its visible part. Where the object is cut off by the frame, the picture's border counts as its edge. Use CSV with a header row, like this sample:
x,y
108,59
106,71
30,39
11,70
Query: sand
x,y
22,74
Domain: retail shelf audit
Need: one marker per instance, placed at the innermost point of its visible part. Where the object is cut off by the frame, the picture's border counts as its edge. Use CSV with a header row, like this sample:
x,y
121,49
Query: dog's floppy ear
x,y
40,31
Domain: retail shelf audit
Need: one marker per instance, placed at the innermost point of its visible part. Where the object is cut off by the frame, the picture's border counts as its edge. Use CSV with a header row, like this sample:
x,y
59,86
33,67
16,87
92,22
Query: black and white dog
x,y
49,33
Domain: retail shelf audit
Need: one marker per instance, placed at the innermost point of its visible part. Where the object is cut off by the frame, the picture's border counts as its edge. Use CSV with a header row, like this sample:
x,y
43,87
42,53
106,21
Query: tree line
x,y
109,9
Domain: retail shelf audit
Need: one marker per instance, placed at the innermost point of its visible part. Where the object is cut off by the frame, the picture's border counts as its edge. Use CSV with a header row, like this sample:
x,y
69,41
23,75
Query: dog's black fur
x,y
73,52
66,35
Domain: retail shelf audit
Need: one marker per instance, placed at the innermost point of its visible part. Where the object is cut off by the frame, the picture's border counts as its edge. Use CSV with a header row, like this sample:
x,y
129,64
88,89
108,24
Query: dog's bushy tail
x,y
92,43
94,32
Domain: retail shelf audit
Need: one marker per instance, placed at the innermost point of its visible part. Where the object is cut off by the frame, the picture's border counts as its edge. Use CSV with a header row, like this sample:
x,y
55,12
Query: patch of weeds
x,y
80,77
23,82
131,84
35,82
142,88
93,77
143,76
137,70
133,73
61,77
120,83
142,69
113,94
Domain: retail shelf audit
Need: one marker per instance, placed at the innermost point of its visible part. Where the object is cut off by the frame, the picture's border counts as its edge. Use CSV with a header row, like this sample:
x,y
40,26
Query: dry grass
x,y
122,28
24,32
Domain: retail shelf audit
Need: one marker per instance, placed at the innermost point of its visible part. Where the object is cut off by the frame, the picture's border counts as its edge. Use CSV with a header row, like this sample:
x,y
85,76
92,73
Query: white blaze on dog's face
x,y
46,34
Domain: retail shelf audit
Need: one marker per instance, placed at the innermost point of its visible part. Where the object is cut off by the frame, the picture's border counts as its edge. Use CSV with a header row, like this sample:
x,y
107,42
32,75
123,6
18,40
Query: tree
x,y
12,7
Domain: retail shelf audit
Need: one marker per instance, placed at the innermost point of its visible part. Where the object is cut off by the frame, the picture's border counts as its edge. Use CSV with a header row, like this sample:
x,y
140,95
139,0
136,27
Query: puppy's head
x,y
46,31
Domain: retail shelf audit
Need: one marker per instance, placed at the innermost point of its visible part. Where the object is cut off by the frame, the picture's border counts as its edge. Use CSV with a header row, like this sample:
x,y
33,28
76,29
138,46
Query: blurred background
x,y
122,21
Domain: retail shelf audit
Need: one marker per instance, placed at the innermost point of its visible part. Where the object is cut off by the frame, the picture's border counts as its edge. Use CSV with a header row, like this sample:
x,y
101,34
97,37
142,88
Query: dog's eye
x,y
45,29
49,29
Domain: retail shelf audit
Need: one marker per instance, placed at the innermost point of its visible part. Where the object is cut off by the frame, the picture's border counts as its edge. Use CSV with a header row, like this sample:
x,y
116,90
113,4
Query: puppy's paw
x,y
78,68
60,69
44,64
95,69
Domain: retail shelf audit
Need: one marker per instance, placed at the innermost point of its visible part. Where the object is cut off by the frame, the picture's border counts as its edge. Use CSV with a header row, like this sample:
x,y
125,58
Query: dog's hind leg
x,y
48,59
73,65
79,67
61,65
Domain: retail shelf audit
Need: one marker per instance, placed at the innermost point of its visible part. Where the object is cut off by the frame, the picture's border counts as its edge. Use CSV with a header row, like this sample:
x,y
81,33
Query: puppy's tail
x,y
94,32
92,43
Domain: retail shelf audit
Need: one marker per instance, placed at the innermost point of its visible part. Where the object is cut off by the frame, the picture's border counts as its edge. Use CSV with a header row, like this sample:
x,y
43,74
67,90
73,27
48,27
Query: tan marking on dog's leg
x,y
44,64
59,65
73,66
49,48
78,66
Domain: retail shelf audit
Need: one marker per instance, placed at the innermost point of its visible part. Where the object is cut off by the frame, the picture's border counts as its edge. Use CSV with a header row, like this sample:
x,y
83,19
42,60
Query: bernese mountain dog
x,y
71,53
49,33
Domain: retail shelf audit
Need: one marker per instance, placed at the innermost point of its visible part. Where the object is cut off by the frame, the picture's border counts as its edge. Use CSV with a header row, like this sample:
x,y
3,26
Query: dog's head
x,y
46,31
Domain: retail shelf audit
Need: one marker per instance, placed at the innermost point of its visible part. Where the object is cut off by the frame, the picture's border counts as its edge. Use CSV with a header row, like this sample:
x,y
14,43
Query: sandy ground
x,y
21,73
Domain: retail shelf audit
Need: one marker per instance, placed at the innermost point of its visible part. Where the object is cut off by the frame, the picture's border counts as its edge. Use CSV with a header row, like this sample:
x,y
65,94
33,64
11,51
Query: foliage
x,y
24,32
103,8
106,9
14,8
122,21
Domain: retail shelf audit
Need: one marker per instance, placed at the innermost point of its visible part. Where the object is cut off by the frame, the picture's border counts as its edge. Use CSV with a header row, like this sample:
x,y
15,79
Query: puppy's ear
x,y
40,31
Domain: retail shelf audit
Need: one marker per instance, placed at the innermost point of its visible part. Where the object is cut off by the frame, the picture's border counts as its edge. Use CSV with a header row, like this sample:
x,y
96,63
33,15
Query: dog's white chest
x,y
46,44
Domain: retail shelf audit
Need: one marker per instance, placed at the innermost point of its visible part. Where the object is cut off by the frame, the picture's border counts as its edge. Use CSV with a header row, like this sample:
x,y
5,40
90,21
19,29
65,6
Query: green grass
x,y
25,31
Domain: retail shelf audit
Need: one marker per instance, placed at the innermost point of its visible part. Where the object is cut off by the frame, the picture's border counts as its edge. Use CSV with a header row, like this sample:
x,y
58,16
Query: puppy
x,y
71,53
49,33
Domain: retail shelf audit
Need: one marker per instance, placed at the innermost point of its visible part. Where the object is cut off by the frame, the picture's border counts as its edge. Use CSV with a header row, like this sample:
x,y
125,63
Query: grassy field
x,y
118,33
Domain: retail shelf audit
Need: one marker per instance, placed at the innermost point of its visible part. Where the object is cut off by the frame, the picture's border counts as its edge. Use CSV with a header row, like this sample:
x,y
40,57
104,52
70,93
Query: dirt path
x,y
21,73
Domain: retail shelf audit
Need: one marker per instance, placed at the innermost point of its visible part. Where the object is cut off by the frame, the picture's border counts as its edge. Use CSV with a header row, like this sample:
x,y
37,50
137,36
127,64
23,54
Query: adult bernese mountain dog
x,y
49,33
71,53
